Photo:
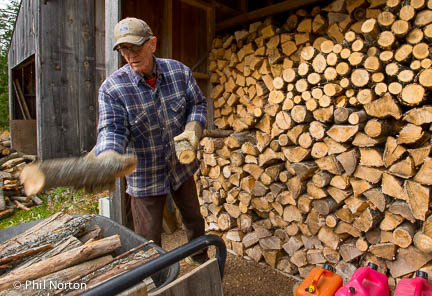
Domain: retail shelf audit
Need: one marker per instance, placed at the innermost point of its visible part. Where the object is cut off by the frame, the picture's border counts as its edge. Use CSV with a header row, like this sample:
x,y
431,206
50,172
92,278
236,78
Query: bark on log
x,y
75,172
56,263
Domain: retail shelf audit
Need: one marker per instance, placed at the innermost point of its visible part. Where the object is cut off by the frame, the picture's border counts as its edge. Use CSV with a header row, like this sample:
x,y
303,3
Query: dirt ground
x,y
241,277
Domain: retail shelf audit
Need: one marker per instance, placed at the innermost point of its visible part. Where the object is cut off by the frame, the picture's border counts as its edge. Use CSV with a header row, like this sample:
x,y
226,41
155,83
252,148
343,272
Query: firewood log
x,y
349,251
342,133
328,237
408,260
403,234
424,173
404,168
67,274
368,219
383,107
418,198
77,172
383,250
126,264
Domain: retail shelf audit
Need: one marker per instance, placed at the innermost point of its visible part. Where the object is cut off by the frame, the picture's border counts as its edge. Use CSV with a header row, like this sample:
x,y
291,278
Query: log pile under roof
x,y
329,156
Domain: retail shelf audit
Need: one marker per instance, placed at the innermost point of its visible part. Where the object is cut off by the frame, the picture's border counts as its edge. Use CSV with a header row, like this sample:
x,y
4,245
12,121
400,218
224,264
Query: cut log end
x,y
185,153
33,179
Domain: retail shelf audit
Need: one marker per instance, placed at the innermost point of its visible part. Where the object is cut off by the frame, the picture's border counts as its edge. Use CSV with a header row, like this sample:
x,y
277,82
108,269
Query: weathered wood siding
x,y
100,43
66,70
23,41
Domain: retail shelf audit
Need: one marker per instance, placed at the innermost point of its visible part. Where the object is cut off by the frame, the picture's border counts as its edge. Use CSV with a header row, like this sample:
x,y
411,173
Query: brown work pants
x,y
147,213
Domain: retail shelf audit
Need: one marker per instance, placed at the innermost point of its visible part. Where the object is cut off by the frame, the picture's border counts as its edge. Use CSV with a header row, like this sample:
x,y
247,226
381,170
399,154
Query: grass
x,y
20,216
61,199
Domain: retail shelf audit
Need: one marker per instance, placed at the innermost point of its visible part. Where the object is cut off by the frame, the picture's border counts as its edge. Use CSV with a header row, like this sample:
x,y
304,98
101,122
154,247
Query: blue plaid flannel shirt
x,y
137,119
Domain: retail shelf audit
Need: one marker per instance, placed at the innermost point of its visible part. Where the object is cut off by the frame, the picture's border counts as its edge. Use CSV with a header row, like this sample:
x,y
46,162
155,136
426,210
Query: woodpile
x,y
63,254
12,194
329,154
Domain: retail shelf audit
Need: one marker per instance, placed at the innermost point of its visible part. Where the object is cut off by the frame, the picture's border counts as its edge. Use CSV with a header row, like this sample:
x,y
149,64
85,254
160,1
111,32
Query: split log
x,y
325,206
393,187
392,151
384,250
384,107
328,237
349,251
402,208
408,260
425,173
418,199
419,116
376,198
330,164
367,220
403,169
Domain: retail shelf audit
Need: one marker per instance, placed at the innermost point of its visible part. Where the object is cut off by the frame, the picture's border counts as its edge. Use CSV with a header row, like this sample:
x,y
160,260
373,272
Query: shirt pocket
x,y
140,126
177,112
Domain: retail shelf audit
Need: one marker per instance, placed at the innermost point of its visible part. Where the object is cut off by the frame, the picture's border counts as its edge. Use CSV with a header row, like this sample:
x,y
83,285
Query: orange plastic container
x,y
320,282
418,286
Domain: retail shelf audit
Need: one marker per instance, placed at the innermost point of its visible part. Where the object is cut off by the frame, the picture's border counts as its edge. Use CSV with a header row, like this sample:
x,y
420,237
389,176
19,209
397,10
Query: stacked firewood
x,y
64,255
11,191
328,160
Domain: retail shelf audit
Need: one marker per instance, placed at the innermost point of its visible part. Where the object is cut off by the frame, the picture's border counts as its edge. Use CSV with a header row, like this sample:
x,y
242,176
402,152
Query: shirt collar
x,y
137,77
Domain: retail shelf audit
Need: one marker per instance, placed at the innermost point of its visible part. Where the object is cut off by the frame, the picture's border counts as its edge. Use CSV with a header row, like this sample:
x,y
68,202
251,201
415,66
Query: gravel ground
x,y
241,277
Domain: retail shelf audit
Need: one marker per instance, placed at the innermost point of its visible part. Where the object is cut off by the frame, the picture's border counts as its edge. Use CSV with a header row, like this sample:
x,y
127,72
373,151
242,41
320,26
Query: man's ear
x,y
153,44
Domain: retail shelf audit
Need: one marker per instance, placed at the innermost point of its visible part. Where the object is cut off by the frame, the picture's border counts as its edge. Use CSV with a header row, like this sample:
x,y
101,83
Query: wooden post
x,y
112,63
211,24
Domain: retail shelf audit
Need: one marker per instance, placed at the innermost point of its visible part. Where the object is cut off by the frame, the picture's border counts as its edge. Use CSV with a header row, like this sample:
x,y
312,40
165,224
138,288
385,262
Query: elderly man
x,y
144,108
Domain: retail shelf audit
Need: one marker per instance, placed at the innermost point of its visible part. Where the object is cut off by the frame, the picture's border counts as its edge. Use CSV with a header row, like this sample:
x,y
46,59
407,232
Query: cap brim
x,y
137,40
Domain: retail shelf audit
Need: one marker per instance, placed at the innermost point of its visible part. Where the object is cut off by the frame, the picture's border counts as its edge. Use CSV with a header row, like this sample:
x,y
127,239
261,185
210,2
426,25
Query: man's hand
x,y
192,134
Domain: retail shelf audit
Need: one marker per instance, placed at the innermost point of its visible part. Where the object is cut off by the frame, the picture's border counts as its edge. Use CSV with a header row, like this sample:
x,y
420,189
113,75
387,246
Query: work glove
x,y
109,154
192,134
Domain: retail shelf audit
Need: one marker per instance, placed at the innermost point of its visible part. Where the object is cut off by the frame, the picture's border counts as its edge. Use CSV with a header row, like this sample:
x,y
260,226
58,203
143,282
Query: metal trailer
x,y
163,270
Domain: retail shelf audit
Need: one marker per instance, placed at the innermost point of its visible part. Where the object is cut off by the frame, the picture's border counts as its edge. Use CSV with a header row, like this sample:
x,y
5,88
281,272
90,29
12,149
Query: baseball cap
x,y
131,30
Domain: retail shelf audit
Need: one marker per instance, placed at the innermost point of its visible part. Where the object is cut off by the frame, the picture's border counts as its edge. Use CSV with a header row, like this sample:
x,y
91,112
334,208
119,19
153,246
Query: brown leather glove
x,y
192,134
105,155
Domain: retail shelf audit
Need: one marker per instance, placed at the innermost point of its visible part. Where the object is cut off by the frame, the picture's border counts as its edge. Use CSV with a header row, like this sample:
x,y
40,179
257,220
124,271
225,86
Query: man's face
x,y
140,58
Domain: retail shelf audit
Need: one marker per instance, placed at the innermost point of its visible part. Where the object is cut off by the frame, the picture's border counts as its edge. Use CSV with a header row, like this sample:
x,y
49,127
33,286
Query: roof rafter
x,y
263,12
